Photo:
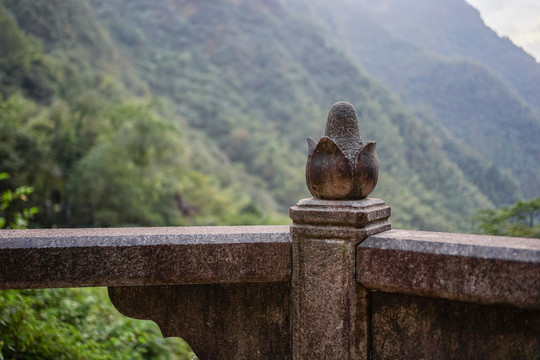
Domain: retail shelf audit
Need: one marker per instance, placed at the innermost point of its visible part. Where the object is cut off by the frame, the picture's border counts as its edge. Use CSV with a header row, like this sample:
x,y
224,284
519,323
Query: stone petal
x,y
366,170
311,145
329,174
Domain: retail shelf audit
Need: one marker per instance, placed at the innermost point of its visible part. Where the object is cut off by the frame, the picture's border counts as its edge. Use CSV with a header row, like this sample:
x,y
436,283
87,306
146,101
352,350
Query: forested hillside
x,y
196,112
442,58
79,126
453,28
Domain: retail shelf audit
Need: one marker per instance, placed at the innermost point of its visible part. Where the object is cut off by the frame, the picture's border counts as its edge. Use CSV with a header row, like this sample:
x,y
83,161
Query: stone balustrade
x,y
337,284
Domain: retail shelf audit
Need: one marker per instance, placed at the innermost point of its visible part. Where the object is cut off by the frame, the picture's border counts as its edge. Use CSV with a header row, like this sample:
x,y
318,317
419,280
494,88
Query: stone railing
x,y
225,290
337,284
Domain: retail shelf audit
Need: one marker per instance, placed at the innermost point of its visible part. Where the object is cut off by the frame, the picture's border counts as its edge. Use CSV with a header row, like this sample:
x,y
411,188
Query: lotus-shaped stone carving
x,y
341,166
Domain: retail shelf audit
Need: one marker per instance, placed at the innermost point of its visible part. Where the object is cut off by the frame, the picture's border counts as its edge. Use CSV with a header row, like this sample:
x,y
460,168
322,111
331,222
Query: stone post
x,y
330,311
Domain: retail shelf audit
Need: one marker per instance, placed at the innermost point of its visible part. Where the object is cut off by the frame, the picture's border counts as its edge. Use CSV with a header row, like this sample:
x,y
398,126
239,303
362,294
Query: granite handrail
x,y
463,267
143,256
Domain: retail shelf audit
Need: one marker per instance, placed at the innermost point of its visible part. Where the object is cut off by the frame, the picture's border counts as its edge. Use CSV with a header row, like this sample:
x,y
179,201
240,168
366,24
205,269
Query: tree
x,y
15,219
76,324
522,220
130,175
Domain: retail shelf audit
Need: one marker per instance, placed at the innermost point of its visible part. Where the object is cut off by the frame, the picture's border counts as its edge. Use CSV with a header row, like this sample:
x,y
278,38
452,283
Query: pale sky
x,y
517,19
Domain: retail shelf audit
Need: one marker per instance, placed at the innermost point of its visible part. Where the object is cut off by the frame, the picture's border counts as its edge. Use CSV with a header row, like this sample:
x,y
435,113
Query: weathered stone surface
x,y
368,216
475,268
342,127
324,299
330,317
238,301
219,321
340,166
143,256
411,327
329,174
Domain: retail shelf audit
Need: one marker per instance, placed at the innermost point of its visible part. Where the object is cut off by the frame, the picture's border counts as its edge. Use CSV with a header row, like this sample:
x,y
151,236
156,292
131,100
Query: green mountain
x,y
442,58
196,112
283,84
79,125
453,28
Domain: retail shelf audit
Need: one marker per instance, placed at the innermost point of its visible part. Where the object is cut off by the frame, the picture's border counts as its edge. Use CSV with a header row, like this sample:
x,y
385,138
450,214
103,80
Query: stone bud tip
x,y
341,166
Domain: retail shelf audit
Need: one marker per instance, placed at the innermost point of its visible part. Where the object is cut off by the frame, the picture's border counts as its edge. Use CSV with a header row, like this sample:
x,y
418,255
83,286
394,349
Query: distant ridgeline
x,y
129,112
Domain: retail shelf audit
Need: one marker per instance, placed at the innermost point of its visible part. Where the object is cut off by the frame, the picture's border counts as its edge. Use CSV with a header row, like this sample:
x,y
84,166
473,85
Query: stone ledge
x,y
464,267
349,213
143,256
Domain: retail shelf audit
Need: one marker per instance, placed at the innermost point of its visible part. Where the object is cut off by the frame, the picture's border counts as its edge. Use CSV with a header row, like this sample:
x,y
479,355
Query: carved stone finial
x,y
341,166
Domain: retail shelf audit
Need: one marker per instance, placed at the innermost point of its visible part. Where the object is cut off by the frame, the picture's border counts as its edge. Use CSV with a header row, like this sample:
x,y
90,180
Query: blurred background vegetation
x,y
167,113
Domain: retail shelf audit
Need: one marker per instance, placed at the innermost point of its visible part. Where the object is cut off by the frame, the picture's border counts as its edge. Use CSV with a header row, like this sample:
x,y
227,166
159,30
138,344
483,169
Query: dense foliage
x,y
237,97
482,89
521,219
98,154
77,324
19,219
